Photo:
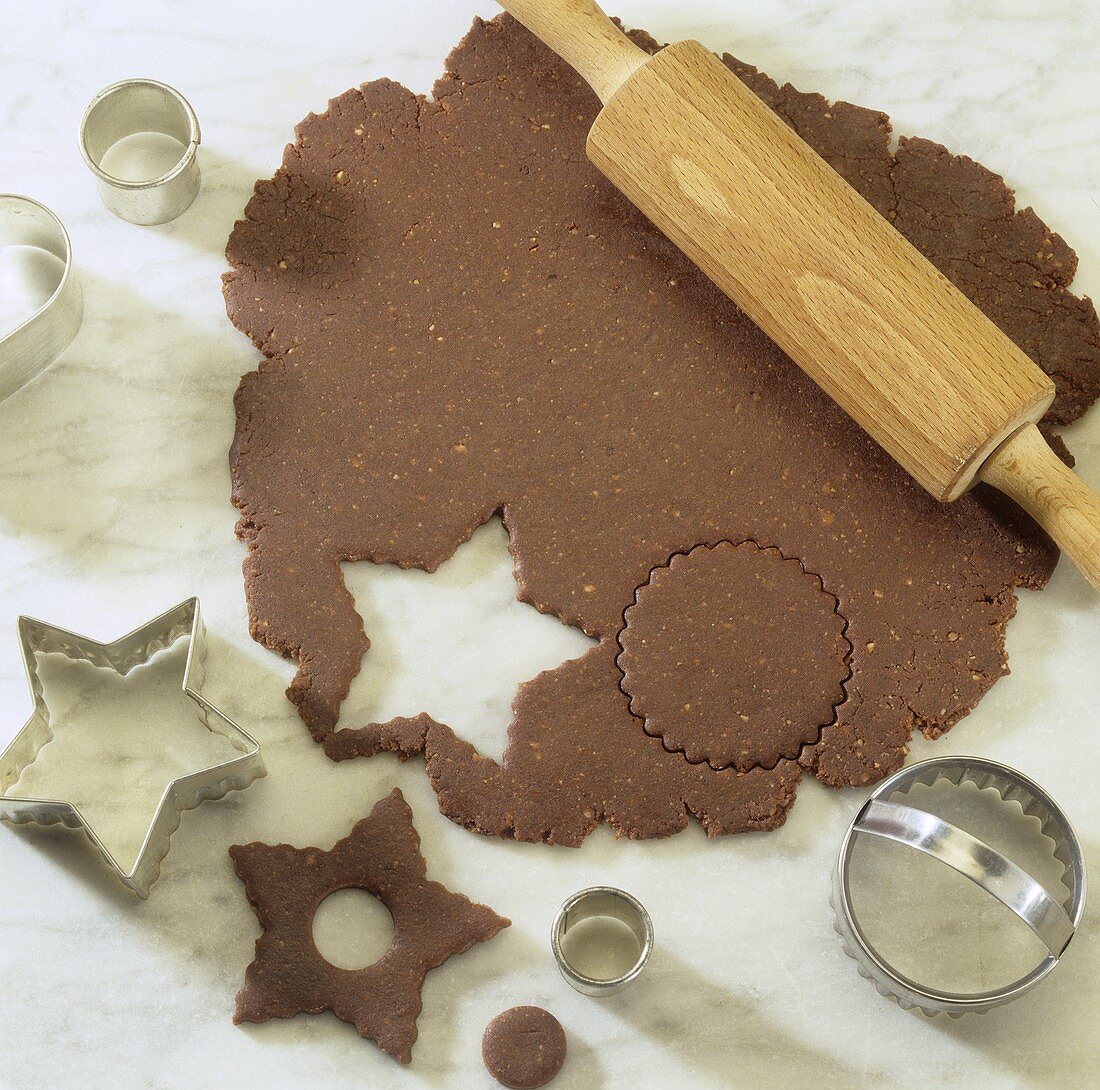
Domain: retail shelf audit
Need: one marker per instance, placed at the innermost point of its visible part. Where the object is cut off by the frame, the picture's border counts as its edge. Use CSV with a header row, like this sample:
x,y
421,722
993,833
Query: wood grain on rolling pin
x,y
862,311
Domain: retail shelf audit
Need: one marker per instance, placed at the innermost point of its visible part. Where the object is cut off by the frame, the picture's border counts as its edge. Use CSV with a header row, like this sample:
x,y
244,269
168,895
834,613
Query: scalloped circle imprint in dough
x,y
734,655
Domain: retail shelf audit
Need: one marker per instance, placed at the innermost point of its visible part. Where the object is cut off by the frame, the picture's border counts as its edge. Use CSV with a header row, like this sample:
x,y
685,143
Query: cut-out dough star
x,y
381,855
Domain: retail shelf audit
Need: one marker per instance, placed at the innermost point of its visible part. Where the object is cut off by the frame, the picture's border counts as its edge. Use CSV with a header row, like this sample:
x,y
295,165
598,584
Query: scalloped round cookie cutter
x,y
134,106
122,655
1054,921
605,901
38,340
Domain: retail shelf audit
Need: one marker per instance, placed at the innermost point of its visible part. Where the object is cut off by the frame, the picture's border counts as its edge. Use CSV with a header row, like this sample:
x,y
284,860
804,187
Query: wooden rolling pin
x,y
843,293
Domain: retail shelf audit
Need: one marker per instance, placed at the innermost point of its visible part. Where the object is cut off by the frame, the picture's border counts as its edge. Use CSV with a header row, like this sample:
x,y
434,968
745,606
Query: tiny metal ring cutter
x,y
183,793
602,901
138,106
1053,919
34,344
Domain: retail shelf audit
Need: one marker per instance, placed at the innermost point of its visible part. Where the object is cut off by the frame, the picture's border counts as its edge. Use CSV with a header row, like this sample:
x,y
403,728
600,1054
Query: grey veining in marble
x,y
114,503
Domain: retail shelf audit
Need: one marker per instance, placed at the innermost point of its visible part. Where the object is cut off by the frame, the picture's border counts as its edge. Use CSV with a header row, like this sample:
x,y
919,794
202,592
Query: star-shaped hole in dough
x,y
464,644
381,855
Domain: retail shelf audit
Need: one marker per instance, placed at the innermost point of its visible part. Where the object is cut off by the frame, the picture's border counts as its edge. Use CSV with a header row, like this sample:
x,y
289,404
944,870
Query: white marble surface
x,y
114,504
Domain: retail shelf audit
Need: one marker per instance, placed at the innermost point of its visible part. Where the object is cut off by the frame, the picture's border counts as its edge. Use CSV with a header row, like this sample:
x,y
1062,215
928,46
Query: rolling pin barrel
x,y
842,292
866,315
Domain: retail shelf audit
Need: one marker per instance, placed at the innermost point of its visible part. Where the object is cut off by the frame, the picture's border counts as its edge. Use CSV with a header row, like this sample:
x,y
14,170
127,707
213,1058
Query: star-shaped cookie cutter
x,y
122,655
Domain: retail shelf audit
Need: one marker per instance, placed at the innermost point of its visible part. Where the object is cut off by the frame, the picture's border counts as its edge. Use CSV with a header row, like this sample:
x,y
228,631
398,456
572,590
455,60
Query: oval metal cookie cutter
x,y
34,344
602,901
142,106
1053,920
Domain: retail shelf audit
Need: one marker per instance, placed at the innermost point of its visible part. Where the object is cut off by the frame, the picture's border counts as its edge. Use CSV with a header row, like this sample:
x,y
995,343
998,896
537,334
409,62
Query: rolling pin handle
x,y
584,37
1025,468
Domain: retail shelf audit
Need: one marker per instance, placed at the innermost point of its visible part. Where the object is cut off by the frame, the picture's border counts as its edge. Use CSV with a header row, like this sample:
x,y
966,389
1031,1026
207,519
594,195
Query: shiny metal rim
x,y
602,901
1011,785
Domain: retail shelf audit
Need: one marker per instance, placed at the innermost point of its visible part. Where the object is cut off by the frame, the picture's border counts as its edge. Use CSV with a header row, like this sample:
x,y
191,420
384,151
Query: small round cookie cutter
x,y
1054,921
141,106
37,341
609,902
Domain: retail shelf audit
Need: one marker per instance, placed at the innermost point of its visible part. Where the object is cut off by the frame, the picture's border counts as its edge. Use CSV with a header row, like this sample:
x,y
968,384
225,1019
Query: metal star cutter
x,y
122,655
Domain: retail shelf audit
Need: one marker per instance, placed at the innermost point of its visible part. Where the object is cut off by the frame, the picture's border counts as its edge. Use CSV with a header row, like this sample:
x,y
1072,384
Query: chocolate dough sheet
x,y
461,317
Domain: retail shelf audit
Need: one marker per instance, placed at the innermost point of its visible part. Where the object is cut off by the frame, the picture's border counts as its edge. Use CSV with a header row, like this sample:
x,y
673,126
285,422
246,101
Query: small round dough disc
x,y
524,1047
